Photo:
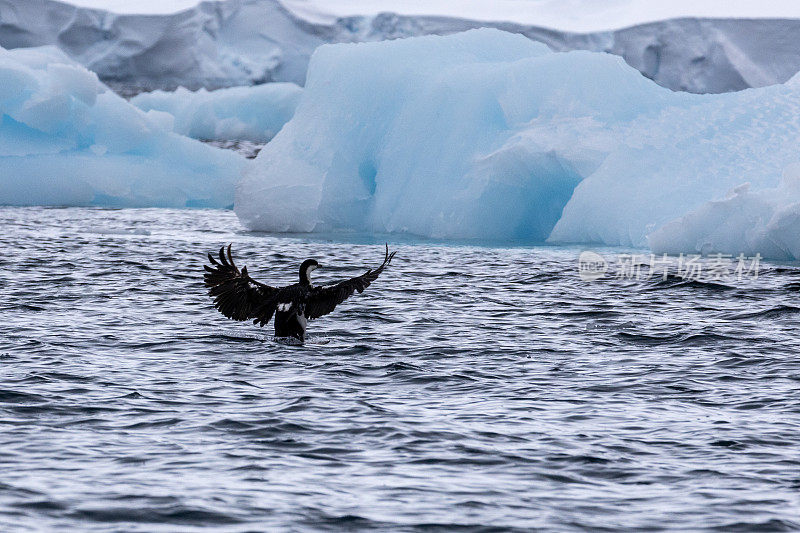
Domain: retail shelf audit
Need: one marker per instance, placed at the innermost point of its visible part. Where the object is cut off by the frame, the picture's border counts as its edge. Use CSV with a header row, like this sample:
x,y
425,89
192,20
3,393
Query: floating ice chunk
x,y
240,113
66,139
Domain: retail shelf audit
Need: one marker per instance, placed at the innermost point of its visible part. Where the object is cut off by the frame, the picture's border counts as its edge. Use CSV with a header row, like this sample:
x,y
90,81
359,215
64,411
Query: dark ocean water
x,y
470,388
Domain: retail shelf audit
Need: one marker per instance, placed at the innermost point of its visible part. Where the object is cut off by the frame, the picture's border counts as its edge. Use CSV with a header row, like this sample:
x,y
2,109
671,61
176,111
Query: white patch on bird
x,y
284,307
309,270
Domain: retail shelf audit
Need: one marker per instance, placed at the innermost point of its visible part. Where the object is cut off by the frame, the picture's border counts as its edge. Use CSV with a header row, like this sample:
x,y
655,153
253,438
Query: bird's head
x,y
308,266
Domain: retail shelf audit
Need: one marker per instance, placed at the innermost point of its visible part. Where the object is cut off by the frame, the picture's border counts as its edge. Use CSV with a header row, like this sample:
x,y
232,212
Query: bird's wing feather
x,y
237,295
323,300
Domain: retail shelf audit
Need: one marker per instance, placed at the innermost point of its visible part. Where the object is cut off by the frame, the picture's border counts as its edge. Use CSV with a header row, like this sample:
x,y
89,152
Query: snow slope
x,y
488,135
583,16
243,42
241,113
66,139
565,15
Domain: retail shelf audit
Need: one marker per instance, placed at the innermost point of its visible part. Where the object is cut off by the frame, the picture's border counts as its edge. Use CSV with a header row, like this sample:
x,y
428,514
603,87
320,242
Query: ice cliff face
x,y
488,135
243,42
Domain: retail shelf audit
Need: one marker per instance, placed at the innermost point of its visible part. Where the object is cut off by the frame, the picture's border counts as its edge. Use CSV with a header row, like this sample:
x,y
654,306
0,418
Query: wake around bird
x,y
240,297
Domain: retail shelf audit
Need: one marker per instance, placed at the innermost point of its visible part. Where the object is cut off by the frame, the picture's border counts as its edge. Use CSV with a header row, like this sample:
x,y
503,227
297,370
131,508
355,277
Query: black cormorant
x,y
240,297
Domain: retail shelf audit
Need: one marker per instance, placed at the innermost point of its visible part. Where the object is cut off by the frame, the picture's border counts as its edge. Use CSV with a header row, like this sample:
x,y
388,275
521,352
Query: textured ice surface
x,y
66,139
242,42
487,135
745,222
467,136
696,150
239,113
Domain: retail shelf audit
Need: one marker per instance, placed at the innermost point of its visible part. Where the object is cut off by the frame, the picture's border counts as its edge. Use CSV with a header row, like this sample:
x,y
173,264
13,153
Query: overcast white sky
x,y
575,15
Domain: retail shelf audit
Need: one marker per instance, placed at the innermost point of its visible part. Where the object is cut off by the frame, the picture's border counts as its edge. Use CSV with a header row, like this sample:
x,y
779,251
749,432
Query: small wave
x,y
771,525
234,338
773,312
678,339
401,365
174,515
227,424
705,338
677,282
327,522
579,459
17,397
588,314
41,505
651,340
154,424
732,444
27,307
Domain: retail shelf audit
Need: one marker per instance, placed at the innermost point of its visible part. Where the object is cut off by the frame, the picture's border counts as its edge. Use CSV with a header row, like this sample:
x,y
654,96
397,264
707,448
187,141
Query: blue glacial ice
x,y
487,135
700,158
240,113
66,139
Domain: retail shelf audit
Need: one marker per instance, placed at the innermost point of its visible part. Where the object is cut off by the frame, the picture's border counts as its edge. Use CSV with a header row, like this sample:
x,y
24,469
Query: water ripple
x,y
472,388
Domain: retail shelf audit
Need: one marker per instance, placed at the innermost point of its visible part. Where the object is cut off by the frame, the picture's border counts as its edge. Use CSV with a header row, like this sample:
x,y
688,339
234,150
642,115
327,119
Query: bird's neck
x,y
305,275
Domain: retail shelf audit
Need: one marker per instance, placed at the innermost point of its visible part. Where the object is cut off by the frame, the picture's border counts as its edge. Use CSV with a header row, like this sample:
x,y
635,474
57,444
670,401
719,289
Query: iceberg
x,y
488,135
482,134
66,139
240,113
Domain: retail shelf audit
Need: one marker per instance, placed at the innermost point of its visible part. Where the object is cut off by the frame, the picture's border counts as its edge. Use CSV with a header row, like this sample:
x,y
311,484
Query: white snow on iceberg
x,y
239,113
485,135
65,139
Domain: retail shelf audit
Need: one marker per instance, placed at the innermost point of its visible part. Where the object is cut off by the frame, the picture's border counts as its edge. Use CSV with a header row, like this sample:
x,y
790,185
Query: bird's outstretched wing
x,y
237,295
323,300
